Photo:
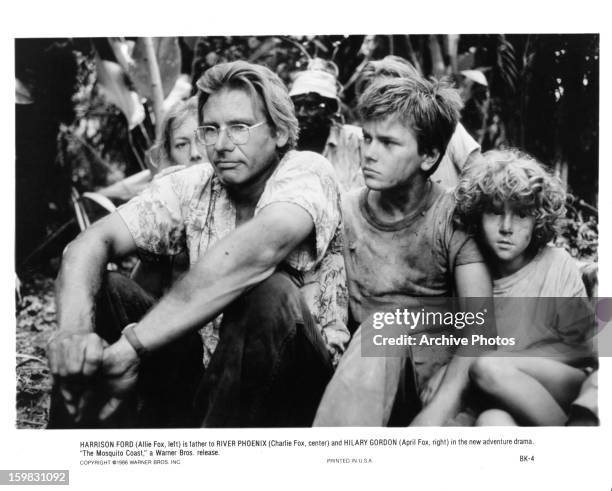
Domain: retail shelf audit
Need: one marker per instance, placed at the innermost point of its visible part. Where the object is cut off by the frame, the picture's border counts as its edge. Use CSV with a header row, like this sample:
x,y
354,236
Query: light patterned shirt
x,y
190,209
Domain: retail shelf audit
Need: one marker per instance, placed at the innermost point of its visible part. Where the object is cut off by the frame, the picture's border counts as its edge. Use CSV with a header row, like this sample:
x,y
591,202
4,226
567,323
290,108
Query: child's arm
x,y
474,282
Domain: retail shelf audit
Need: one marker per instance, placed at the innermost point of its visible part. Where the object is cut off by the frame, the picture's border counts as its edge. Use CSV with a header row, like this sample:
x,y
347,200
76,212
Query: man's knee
x,y
273,305
279,289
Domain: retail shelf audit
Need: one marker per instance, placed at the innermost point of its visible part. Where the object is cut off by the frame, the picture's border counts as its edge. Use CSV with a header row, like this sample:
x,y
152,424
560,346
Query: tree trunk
x,y
156,85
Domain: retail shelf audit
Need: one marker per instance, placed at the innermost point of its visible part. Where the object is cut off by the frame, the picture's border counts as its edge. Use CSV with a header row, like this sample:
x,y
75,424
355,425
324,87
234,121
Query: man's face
x,y
314,117
390,154
240,165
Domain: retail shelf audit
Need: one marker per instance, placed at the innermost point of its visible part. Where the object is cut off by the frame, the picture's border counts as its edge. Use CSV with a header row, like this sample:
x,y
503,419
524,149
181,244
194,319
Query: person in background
x,y
177,146
177,149
315,95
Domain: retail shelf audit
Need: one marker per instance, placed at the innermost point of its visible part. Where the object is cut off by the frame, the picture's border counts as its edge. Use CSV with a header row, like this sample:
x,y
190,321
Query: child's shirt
x,y
388,265
542,310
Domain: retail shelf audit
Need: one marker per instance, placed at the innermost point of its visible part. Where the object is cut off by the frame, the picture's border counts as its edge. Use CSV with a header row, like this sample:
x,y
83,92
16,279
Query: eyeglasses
x,y
238,133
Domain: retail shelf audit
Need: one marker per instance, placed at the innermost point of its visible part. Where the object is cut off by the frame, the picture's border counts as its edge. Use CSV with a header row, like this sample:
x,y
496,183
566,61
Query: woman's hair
x,y
256,80
176,116
513,177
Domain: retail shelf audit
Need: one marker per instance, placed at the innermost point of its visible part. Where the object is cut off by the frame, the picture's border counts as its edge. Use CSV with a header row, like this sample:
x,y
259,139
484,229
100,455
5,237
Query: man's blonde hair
x,y
256,80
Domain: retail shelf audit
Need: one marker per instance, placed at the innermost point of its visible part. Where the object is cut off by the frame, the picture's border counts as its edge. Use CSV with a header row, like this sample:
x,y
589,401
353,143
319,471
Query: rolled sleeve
x,y
306,179
154,218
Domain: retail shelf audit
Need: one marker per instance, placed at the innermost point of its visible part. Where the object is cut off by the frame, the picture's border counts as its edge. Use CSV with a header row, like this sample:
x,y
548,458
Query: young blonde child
x,y
511,204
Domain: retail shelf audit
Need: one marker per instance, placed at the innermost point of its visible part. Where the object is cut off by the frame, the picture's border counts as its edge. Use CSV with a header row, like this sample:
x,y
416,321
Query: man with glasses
x,y
256,325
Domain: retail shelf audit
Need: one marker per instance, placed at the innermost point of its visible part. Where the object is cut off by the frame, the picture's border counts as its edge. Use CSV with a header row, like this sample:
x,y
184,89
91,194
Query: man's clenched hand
x,y
74,358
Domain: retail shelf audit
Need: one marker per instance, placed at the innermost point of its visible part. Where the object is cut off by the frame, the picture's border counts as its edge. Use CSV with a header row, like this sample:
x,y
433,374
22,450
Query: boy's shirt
x,y
390,265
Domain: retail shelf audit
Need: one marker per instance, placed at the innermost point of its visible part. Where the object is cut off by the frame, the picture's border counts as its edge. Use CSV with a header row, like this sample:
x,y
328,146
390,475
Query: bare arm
x,y
83,265
472,281
75,351
241,260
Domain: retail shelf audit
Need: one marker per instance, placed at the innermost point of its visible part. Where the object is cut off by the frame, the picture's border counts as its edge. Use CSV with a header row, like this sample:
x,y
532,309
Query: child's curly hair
x,y
514,177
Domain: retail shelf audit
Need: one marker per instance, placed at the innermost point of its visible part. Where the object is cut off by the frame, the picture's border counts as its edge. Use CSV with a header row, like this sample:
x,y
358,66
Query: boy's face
x,y
507,234
391,156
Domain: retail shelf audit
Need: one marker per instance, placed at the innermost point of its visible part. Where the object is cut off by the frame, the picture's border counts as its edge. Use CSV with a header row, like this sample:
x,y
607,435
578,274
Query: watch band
x,y
130,336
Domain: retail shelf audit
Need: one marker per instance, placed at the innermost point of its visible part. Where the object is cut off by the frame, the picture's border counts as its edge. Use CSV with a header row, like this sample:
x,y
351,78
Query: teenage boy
x,y
401,245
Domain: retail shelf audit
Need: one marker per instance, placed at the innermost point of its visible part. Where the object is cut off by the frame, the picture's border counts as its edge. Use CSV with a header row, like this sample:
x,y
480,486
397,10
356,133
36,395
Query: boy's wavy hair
x,y
256,80
430,108
514,177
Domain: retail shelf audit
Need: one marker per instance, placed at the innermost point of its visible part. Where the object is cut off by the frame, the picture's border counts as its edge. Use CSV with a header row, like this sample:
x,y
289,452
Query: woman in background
x,y
177,149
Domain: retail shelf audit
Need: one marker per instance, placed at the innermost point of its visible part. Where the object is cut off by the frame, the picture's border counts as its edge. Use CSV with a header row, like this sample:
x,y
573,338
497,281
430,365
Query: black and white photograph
x,y
238,246
219,268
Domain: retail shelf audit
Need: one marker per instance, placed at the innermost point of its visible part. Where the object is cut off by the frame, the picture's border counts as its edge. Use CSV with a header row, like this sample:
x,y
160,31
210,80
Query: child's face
x,y
507,234
391,156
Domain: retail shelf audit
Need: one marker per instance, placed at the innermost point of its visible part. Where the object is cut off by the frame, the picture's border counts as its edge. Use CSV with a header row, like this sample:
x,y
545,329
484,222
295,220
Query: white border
x,y
566,458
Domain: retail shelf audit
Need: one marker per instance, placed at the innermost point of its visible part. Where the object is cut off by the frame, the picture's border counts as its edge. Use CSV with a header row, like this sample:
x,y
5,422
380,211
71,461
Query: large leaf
x,y
169,61
506,63
111,82
264,49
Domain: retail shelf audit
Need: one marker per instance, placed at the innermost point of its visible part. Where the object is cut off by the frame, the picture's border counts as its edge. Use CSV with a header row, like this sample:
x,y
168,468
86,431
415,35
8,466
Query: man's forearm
x,y
196,299
239,261
83,266
78,283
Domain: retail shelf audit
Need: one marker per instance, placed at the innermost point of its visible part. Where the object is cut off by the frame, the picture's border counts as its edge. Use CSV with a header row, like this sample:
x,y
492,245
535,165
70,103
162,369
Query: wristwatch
x,y
130,336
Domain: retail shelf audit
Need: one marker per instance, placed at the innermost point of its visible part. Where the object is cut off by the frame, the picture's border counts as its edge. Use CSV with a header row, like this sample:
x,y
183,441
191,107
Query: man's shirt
x,y
191,210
